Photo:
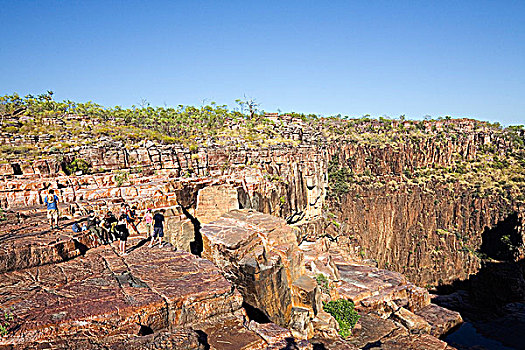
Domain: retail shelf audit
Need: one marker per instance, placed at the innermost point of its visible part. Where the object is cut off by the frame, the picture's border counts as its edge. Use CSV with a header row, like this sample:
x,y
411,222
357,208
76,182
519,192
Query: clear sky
x,y
458,58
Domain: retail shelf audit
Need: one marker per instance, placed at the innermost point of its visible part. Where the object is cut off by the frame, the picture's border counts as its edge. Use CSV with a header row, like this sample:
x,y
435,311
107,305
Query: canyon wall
x,y
428,226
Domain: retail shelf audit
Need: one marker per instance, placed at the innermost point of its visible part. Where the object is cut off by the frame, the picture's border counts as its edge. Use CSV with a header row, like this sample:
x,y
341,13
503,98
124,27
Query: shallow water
x,y
466,337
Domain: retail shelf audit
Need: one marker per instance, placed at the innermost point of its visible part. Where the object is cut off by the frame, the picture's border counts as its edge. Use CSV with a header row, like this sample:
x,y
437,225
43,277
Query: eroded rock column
x,y
259,254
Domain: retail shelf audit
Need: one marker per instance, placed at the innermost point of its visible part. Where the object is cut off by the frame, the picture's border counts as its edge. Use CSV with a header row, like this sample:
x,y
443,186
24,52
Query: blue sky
x,y
458,58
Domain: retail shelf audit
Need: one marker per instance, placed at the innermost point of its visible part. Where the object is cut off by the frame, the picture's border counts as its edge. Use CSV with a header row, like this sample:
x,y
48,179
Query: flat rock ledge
x,y
67,291
30,242
153,298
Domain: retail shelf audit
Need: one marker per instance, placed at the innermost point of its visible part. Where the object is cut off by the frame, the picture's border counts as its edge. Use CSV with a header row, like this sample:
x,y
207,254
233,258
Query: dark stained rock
x,y
440,319
373,330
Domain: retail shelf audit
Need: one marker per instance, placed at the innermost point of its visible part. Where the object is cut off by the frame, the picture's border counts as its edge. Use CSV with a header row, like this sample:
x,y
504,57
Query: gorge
x,y
385,210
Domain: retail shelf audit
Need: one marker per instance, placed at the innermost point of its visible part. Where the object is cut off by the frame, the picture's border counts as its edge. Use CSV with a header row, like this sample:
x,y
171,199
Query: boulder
x,y
413,322
440,319
259,255
373,329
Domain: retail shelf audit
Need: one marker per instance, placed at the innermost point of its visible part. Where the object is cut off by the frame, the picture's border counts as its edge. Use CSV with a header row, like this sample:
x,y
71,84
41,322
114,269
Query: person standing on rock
x,y
131,217
93,225
109,223
123,233
158,228
148,218
123,209
51,202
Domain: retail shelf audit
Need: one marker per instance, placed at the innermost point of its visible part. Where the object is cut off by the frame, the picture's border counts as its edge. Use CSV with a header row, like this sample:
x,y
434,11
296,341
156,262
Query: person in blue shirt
x,y
51,202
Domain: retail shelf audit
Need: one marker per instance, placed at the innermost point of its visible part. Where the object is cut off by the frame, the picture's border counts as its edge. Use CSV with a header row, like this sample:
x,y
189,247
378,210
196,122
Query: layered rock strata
x,y
281,180
260,255
385,210
106,300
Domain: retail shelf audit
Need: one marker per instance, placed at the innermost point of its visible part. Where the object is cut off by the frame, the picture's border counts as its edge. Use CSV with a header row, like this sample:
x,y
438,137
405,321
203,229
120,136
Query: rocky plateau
x,y
248,232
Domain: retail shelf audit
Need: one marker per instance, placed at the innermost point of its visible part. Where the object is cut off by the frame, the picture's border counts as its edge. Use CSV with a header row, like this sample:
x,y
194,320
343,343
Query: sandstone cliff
x,y
415,197
434,200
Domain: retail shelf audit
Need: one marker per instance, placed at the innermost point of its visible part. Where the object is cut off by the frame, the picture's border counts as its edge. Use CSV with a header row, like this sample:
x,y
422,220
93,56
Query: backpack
x,y
75,227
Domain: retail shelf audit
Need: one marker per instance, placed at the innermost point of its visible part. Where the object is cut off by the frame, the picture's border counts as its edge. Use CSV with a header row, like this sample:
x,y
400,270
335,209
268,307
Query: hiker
x,y
131,217
108,224
123,209
158,228
51,202
148,218
92,220
93,225
123,233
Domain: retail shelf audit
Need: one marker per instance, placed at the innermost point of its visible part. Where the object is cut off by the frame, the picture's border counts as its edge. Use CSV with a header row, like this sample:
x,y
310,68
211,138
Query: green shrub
x,y
193,147
344,313
5,323
323,283
339,179
78,164
121,177
138,170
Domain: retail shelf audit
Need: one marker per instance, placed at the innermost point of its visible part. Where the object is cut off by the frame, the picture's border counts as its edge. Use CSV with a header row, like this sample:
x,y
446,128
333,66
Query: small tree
x,y
249,103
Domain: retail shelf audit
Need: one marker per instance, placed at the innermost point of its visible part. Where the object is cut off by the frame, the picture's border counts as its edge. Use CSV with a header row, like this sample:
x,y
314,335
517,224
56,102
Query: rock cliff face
x,y
428,226
286,181
357,208
429,233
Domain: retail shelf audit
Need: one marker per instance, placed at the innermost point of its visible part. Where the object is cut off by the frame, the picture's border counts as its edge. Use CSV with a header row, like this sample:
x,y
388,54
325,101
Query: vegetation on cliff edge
x,y
496,166
344,313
